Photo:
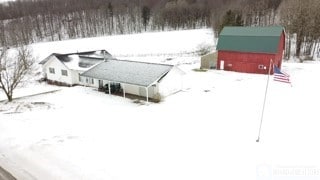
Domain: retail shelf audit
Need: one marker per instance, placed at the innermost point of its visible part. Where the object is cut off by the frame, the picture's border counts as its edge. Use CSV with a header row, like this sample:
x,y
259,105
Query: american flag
x,y
280,75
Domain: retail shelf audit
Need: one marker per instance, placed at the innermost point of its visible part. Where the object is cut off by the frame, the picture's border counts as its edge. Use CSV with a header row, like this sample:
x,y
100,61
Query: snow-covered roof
x,y
129,72
81,60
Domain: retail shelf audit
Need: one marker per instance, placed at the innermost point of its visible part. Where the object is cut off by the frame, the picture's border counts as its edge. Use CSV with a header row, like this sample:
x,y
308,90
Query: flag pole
x,y
264,101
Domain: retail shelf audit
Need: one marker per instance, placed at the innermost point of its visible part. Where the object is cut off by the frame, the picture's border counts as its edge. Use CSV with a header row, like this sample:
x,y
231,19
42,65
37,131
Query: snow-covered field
x,y
207,131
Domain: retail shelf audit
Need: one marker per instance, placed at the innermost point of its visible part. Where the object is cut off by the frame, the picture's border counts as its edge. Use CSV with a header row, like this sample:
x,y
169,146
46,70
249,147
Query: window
x,y
92,81
64,72
51,70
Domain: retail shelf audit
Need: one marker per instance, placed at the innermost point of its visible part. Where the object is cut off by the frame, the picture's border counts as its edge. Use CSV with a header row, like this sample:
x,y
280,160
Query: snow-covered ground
x,y
142,45
207,131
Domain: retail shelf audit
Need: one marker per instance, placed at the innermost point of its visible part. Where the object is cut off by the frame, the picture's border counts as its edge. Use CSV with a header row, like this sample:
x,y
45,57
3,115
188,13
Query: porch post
x,y
124,90
109,88
147,90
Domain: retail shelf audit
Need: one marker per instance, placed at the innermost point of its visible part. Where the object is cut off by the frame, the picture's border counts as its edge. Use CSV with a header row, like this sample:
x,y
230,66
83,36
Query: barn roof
x,y
250,39
129,72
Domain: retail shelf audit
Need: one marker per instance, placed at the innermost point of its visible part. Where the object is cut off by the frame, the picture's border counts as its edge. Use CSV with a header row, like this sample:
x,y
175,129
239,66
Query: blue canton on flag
x,y
280,75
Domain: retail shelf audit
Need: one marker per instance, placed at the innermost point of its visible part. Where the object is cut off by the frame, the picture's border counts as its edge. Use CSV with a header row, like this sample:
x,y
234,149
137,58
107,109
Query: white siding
x,y
86,81
75,77
57,76
152,91
129,89
171,83
140,91
132,89
53,62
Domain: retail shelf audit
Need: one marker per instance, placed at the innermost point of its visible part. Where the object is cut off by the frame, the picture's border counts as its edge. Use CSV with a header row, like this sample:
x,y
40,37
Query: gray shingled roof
x,y
128,72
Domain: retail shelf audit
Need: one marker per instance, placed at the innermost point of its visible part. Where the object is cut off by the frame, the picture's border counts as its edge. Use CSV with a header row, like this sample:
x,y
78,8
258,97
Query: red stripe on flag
x,y
281,78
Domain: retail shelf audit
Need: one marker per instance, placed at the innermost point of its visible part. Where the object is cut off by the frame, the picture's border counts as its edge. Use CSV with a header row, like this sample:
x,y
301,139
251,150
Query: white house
x,y
99,69
64,69
149,80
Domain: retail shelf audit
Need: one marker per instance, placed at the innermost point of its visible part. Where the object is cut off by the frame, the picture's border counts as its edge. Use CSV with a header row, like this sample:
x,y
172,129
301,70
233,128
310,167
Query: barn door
x,y
222,64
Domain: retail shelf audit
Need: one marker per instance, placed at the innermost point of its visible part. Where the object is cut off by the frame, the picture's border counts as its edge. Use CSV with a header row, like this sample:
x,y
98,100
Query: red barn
x,y
250,49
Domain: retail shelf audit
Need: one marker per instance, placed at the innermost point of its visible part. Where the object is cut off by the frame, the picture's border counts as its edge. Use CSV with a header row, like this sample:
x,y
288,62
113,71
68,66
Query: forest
x,y
29,21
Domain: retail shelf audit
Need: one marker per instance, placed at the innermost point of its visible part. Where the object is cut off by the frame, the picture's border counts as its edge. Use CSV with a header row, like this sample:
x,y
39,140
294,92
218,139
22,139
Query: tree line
x,y
28,21
39,20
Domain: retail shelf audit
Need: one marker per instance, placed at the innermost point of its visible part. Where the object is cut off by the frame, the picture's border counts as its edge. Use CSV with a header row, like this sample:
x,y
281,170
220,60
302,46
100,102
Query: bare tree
x,y
301,18
14,69
145,16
